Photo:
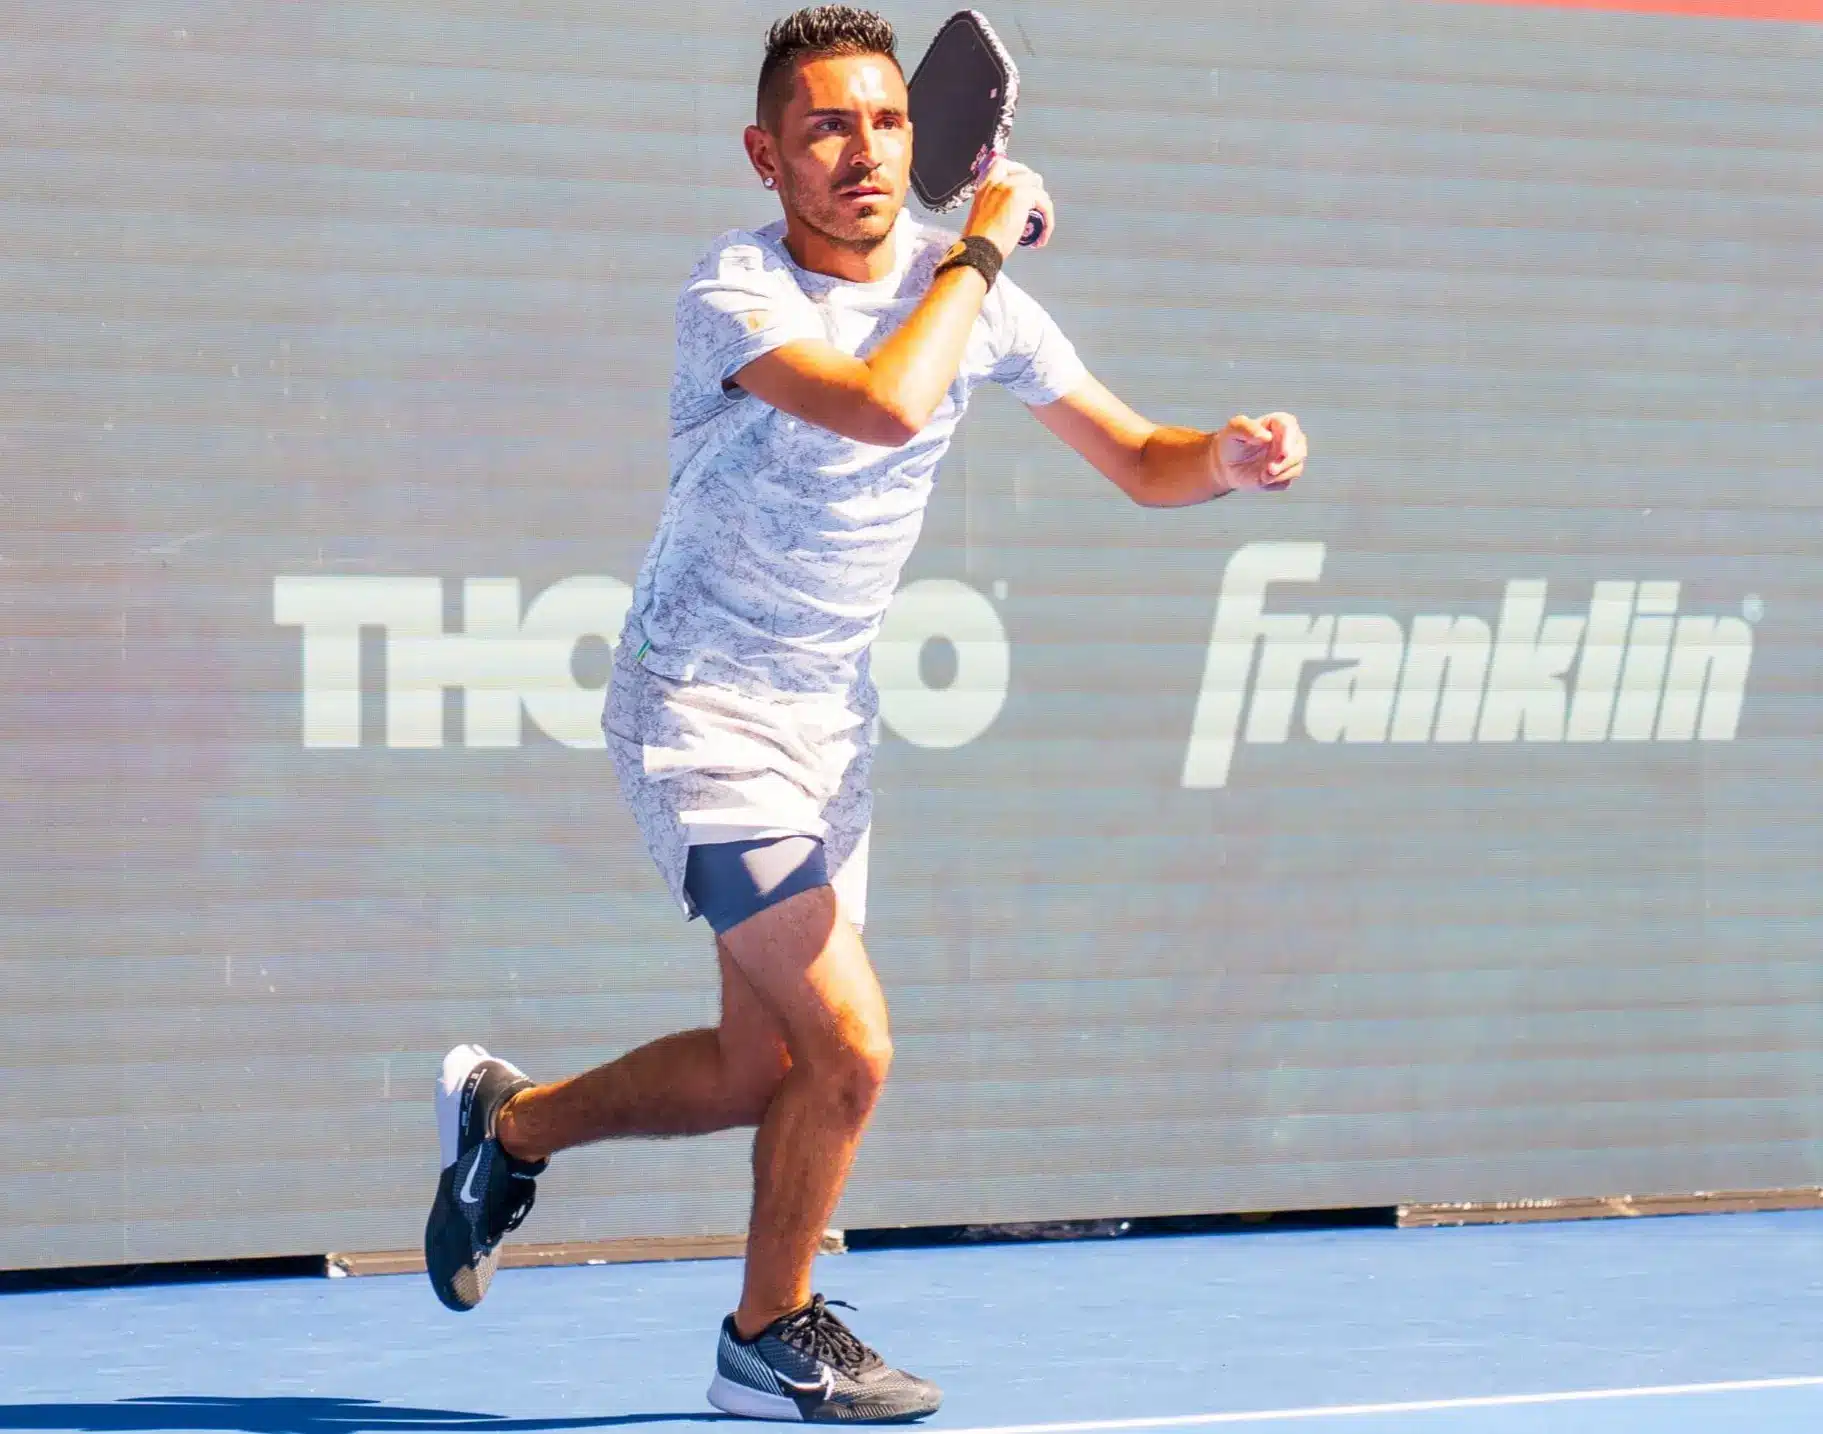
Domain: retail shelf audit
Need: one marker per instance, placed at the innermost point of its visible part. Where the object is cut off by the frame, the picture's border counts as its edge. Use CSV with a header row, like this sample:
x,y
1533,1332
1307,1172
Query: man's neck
x,y
840,259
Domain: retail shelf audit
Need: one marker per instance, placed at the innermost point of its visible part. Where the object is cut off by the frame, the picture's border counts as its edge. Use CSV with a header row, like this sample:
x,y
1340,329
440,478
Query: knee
x,y
855,1074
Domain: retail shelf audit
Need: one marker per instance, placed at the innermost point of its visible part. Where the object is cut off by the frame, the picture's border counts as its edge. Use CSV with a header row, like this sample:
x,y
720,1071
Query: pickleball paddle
x,y
964,94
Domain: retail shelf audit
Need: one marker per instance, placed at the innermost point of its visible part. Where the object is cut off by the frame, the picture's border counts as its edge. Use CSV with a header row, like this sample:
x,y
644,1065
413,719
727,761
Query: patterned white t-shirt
x,y
781,543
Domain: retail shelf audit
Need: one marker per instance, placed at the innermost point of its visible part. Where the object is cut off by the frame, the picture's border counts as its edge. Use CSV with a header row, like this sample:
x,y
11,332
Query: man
x,y
823,363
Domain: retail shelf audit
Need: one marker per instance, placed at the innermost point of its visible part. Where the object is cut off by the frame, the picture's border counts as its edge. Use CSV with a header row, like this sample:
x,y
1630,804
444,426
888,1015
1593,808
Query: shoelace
x,y
516,1214
817,1331
507,1217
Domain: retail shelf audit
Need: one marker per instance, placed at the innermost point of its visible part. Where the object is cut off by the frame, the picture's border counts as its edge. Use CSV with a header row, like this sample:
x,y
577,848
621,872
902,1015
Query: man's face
x,y
844,147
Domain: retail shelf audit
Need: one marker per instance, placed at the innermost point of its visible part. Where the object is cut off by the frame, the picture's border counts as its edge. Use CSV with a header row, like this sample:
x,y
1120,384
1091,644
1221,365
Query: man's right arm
x,y
888,397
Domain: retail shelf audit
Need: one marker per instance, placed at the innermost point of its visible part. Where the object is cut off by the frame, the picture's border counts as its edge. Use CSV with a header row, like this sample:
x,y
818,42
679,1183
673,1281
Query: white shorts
x,y
701,763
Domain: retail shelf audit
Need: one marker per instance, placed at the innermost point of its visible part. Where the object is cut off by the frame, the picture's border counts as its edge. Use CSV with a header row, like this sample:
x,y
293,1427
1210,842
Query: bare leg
x,y
686,1084
803,1050
808,966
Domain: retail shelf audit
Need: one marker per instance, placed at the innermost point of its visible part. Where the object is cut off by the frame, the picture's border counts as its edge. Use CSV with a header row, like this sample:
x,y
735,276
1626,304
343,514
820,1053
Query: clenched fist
x,y
1260,453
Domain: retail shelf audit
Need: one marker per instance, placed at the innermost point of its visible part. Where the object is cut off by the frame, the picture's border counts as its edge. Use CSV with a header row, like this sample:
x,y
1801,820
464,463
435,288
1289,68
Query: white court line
x,y
1413,1406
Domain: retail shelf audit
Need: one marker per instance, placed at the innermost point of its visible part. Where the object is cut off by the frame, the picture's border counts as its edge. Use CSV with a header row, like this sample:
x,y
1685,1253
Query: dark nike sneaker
x,y
809,1367
483,1192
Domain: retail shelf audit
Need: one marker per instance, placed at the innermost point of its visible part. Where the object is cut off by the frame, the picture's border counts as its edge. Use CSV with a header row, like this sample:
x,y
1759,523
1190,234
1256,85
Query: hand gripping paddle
x,y
963,97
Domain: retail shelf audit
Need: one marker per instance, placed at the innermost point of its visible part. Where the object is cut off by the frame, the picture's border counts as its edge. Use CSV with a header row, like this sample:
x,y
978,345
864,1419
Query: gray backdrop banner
x,y
1445,829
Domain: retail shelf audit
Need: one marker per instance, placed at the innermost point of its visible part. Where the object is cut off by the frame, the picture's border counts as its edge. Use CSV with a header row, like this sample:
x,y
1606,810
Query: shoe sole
x,y
450,1080
748,1403
732,1398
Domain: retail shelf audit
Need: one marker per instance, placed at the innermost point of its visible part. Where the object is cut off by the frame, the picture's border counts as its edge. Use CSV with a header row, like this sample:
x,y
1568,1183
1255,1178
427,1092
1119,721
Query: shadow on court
x,y
298,1416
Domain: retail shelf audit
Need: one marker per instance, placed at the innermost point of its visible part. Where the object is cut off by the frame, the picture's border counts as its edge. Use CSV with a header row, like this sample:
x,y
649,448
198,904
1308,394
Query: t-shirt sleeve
x,y
1037,364
739,305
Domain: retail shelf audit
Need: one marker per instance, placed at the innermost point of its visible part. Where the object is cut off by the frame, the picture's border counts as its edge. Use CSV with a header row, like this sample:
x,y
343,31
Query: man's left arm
x,y
1161,466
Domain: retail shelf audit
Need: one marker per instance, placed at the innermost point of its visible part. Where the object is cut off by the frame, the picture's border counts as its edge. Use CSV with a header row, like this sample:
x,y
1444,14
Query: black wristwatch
x,y
975,252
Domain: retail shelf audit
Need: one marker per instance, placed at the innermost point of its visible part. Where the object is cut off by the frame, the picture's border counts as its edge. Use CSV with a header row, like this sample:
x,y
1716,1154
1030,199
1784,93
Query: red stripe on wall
x,y
1810,11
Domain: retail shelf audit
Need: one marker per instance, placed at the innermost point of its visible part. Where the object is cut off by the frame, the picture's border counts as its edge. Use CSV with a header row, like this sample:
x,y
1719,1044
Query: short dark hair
x,y
815,32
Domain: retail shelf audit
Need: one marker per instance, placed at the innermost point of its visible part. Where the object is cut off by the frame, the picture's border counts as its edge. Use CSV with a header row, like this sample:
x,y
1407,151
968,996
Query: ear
x,y
762,154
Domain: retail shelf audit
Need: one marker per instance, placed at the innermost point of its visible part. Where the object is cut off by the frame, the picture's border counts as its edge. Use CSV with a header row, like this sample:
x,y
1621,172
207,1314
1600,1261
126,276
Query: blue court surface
x,y
1663,1325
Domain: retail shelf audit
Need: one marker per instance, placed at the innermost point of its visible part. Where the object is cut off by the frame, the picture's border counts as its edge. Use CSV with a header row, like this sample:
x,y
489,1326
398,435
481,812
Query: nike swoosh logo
x,y
824,1386
468,1195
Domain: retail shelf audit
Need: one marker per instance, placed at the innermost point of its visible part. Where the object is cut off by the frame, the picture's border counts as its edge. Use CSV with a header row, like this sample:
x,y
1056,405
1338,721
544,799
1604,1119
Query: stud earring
x,y
770,183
